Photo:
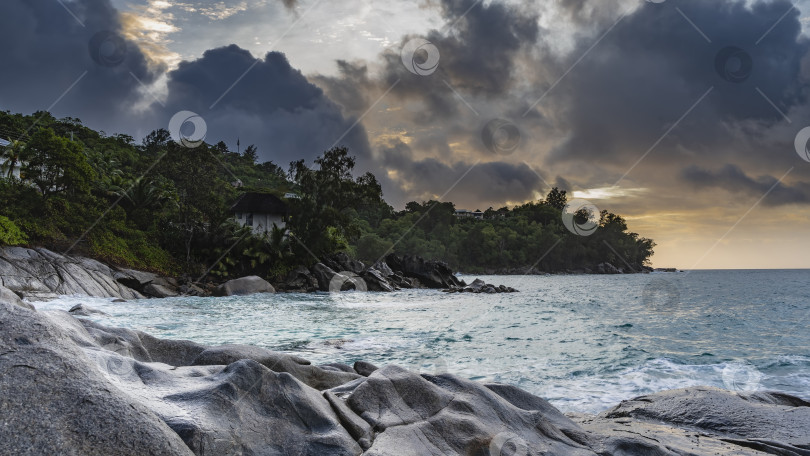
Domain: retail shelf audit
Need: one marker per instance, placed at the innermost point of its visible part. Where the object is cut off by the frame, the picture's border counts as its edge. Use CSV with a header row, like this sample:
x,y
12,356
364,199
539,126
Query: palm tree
x,y
279,243
143,193
11,155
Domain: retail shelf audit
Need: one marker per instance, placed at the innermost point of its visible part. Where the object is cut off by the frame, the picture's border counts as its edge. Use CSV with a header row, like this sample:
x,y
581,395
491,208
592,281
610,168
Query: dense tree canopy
x,y
164,207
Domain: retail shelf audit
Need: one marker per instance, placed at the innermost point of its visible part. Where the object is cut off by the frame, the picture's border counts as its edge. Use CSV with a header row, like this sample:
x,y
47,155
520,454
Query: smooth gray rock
x,y
10,297
39,274
341,262
73,386
55,399
755,418
299,368
299,280
244,286
338,367
323,274
424,415
363,368
375,281
628,437
358,428
249,409
384,269
76,387
131,278
432,274
189,289
159,291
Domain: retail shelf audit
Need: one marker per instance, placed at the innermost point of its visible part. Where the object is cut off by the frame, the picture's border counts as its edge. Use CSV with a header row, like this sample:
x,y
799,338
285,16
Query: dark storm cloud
x,y
654,66
479,56
351,88
563,184
733,179
272,105
46,50
466,184
484,184
589,11
480,52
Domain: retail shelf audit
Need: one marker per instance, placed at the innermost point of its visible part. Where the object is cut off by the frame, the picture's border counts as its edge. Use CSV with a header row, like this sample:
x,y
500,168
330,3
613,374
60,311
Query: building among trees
x,y
260,211
463,213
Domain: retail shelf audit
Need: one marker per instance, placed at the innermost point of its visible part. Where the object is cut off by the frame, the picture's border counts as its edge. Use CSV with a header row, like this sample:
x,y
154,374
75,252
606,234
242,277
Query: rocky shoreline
x,y
72,386
40,274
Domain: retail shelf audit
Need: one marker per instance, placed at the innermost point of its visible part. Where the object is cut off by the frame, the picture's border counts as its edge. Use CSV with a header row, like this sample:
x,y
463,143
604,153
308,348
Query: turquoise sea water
x,y
583,342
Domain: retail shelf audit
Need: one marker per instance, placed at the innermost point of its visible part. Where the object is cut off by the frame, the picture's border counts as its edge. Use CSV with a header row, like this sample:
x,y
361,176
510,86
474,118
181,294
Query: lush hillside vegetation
x,y
160,206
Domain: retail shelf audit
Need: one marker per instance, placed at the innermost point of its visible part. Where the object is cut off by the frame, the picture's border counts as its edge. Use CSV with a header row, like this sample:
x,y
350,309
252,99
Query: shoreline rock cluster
x,y
72,386
40,274
479,286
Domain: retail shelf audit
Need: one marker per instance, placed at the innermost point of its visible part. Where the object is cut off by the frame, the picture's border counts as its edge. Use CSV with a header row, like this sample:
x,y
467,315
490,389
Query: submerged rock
x,y
81,310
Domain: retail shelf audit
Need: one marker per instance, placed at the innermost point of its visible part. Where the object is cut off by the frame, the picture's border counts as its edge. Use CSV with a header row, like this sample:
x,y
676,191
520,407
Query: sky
x,y
685,116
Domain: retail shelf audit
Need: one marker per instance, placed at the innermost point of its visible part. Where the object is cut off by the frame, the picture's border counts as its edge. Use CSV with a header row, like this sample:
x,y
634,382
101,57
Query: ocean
x,y
584,342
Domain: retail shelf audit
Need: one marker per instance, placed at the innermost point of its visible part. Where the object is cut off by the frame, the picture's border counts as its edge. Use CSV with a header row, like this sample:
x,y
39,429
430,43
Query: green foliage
x,y
10,233
56,165
11,156
527,235
325,218
163,207
132,249
371,247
